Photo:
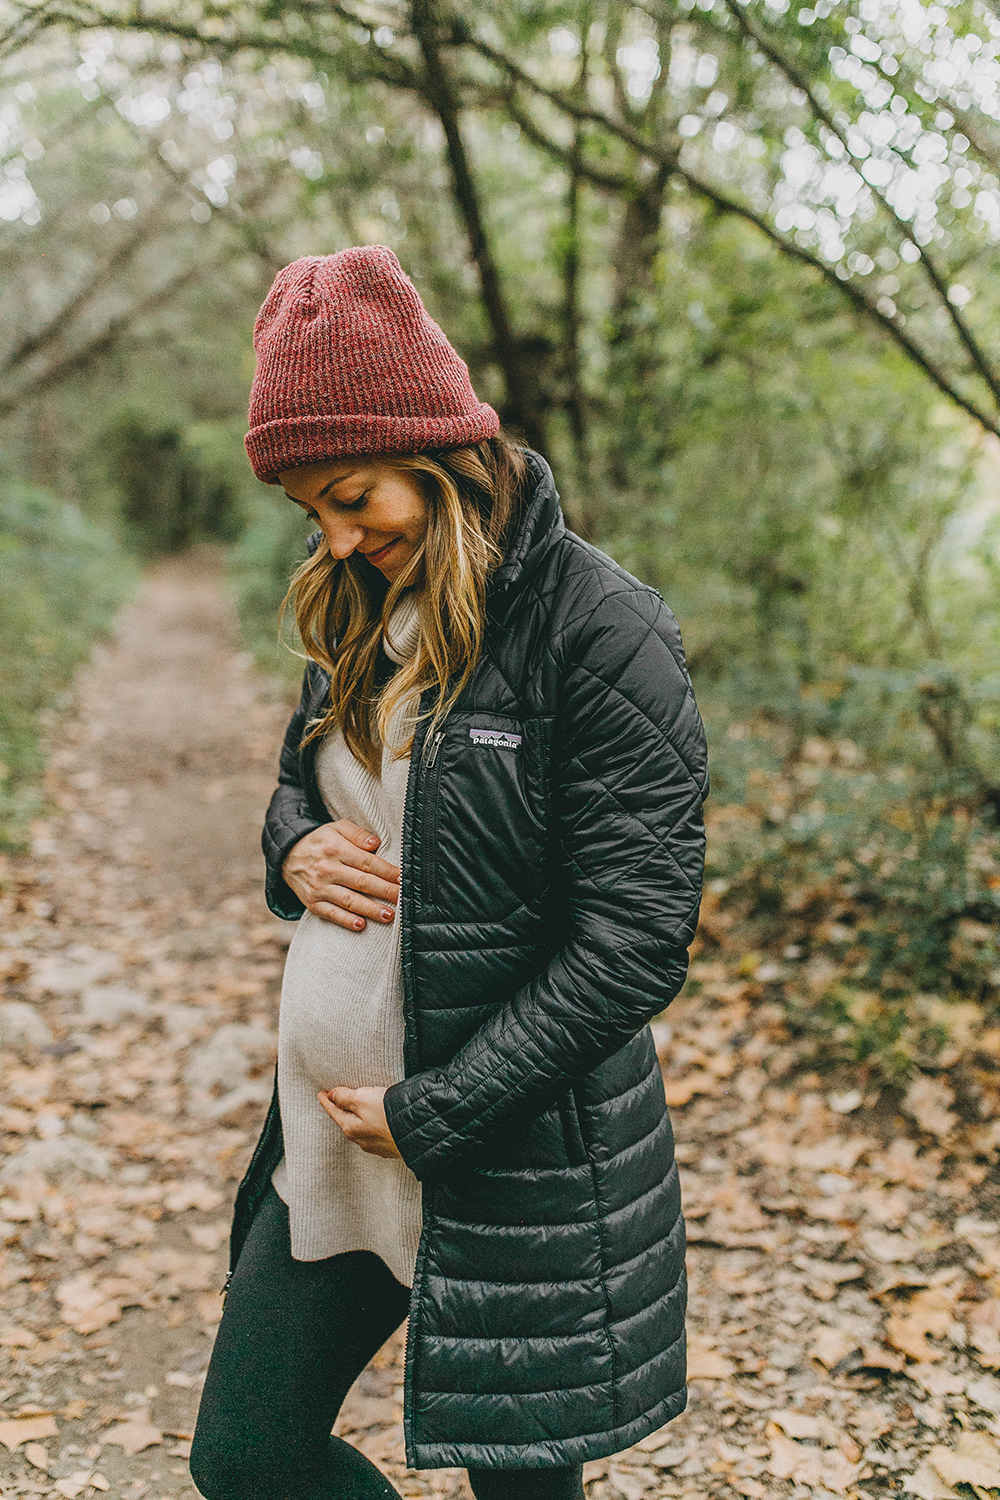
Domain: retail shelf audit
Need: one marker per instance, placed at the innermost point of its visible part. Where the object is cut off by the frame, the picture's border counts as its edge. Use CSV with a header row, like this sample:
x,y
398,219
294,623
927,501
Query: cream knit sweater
x,y
341,1024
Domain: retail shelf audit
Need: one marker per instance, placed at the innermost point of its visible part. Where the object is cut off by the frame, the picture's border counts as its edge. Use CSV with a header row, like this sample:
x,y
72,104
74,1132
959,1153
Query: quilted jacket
x,y
552,859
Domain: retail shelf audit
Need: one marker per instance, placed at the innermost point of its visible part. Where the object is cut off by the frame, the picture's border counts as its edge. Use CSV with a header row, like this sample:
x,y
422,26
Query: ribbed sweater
x,y
341,1024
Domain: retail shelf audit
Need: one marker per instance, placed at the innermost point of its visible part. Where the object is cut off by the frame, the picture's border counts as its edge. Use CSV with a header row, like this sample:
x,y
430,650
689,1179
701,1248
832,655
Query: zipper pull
x,y
435,746
225,1289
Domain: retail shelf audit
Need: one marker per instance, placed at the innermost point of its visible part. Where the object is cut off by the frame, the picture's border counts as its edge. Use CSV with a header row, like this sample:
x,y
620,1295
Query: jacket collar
x,y
541,521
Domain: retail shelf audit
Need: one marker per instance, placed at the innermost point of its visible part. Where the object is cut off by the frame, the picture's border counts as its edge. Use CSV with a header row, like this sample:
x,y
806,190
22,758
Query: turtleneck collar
x,y
400,640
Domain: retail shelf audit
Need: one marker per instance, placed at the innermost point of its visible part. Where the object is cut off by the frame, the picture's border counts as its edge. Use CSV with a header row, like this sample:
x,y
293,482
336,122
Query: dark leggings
x,y
294,1337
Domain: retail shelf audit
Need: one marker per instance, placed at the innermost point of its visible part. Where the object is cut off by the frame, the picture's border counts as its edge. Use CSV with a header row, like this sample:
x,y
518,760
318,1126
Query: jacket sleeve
x,y
631,776
289,816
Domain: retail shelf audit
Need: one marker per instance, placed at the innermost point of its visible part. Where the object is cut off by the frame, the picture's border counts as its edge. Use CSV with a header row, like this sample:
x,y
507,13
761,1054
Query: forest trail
x,y
845,1257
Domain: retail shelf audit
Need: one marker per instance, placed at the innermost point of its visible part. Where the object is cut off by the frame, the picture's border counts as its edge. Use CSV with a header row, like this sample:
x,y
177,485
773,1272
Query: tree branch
x,y
653,151
101,342
769,47
439,95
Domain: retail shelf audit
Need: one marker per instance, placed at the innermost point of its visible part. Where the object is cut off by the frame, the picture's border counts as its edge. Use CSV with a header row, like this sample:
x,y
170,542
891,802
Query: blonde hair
x,y
342,606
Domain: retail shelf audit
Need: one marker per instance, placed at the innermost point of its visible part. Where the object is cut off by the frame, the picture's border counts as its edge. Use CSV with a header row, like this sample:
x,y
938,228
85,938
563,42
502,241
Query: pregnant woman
x,y
488,825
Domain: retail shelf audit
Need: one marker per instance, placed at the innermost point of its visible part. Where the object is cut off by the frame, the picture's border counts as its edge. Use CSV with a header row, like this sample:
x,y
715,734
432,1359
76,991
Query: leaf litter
x,y
844,1253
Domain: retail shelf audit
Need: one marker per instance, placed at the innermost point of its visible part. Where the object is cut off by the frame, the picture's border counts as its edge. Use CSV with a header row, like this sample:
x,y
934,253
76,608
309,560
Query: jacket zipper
x,y
410,1057
429,819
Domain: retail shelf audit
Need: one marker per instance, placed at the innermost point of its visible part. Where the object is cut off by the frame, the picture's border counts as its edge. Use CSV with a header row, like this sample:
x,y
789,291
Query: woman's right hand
x,y
337,875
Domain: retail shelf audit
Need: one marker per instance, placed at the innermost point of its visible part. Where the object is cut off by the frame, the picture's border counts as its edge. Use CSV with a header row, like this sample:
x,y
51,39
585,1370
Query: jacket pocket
x,y
576,1150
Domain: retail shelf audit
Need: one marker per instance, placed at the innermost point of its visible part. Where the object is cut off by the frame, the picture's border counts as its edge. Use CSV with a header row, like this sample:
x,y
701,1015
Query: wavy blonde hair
x,y
342,606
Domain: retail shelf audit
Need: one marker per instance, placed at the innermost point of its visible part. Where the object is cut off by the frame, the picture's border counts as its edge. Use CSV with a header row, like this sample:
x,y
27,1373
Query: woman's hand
x,y
337,875
360,1114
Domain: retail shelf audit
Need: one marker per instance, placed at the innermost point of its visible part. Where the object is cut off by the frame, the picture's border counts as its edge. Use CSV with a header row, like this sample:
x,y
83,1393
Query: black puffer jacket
x,y
552,860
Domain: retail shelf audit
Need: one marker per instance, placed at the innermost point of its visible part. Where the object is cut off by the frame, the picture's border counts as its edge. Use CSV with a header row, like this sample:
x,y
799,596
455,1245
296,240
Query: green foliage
x,y
872,865
721,417
169,497
261,567
61,579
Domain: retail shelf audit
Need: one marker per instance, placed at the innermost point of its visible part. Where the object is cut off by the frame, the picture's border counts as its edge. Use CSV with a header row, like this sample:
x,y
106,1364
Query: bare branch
x,y
769,47
101,342
97,282
653,151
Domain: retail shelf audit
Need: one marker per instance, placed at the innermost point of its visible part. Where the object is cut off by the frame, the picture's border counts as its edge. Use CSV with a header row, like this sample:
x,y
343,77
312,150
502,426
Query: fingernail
x,y
371,843
359,924
386,914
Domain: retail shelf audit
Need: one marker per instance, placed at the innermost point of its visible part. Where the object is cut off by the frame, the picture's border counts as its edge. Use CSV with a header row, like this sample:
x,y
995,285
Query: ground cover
x,y
845,1236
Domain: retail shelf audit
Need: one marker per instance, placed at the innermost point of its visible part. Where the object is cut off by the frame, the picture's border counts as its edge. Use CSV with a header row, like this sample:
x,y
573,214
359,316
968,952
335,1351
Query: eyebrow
x,y
334,482
323,492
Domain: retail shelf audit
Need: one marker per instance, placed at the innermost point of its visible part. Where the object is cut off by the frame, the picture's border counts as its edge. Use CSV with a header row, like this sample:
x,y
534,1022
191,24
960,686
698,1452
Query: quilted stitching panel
x,y
547,1322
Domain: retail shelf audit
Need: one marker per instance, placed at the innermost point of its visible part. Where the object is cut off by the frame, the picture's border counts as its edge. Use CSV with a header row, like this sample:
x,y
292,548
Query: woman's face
x,y
362,505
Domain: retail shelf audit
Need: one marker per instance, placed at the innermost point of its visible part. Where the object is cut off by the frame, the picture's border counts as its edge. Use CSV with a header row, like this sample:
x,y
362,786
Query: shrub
x,y
61,579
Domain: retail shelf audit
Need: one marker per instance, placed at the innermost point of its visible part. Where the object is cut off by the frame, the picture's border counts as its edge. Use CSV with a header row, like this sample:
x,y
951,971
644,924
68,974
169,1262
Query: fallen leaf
x,y
73,1484
667,1457
985,1392
889,1247
85,1306
26,1430
181,1196
74,1410
796,1424
752,1488
209,1236
929,1312
135,1435
99,1482
927,1485
707,1364
630,1486
938,1382
809,1466
927,1101
680,1091
37,1456
845,1104
875,1357
975,1460
18,1338
986,1344
209,1307
831,1345
871,1422
971,1224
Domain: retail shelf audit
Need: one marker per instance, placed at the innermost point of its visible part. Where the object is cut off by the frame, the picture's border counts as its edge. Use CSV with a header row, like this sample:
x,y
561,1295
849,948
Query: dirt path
x,y
845,1257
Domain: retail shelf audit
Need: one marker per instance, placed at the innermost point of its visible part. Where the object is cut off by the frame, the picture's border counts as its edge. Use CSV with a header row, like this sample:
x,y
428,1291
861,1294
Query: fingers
x,y
330,913
367,860
363,837
354,906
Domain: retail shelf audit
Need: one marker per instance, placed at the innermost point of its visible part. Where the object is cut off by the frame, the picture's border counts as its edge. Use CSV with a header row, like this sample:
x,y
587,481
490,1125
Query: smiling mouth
x,y
373,556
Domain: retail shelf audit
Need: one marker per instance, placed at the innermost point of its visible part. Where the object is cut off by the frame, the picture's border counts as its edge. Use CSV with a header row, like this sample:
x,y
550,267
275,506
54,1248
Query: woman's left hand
x,y
360,1114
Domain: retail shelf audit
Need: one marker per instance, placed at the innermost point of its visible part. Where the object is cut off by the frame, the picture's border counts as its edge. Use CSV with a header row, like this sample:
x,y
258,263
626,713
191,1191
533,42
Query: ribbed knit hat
x,y
350,361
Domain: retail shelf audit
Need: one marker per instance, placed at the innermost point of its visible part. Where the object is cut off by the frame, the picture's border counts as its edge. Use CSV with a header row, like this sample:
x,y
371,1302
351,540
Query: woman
x,y
489,821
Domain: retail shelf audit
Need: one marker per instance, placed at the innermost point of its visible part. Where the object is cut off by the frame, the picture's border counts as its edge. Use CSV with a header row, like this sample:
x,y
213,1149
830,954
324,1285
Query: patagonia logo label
x,y
496,739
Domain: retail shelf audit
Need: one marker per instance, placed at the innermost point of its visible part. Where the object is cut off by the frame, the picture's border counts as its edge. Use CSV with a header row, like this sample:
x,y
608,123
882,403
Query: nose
x,y
341,535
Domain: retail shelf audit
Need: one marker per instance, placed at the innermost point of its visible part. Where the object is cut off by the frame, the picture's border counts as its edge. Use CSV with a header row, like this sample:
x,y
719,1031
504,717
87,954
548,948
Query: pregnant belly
x,y
341,1019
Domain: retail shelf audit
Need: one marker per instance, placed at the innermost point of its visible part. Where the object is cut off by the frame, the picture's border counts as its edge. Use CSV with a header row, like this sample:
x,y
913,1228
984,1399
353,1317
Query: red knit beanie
x,y
350,361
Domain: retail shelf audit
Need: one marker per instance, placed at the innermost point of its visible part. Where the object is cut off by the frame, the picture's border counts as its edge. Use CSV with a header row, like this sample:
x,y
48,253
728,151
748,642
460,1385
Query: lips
x,y
374,556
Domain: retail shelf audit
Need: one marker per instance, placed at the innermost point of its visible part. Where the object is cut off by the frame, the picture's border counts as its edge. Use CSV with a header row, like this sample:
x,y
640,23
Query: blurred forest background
x,y
732,267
